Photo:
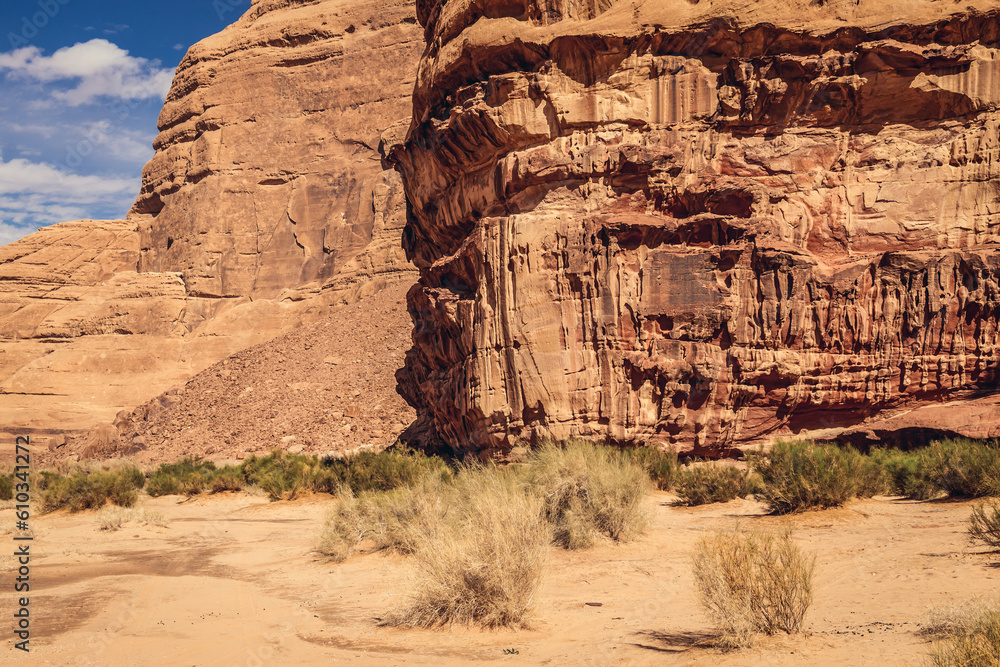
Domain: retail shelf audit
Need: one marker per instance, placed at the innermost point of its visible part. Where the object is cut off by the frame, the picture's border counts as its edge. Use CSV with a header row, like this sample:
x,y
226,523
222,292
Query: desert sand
x,y
233,580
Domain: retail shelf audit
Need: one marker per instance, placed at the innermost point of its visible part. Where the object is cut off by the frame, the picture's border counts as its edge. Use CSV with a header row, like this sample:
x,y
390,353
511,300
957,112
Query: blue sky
x,y
81,86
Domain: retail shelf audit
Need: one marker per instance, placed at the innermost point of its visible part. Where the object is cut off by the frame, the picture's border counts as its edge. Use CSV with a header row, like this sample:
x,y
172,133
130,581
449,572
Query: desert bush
x,y
284,476
984,524
662,466
188,477
6,487
752,583
113,518
385,470
390,520
714,483
905,474
482,562
226,478
965,468
588,490
91,490
800,475
281,475
967,636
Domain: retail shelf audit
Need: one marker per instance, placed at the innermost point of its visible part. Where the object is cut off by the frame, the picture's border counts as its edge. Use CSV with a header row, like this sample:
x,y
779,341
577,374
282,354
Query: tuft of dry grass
x,y
968,635
587,491
480,563
390,520
984,524
112,518
753,583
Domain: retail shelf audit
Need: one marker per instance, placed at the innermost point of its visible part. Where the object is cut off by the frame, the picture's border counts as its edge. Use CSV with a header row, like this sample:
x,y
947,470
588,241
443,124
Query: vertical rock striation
x,y
697,225
267,175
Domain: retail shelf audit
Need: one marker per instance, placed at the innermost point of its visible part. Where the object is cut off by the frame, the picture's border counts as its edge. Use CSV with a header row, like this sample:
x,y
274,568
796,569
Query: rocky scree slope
x,y
702,224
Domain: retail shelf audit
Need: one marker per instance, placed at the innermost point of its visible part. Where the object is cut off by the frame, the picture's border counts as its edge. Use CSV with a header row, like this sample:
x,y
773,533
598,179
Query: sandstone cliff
x,y
701,223
267,175
265,207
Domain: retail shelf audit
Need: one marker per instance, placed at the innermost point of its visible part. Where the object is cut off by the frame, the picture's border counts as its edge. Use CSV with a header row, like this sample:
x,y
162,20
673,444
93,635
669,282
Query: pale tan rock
x,y
265,206
700,224
267,175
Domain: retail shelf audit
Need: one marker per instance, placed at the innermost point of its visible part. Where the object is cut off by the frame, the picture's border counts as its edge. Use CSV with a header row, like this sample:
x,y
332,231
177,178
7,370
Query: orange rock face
x,y
701,226
265,206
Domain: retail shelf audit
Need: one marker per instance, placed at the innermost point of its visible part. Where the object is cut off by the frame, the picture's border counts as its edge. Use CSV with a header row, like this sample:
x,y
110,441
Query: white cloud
x,y
20,176
11,233
100,68
36,193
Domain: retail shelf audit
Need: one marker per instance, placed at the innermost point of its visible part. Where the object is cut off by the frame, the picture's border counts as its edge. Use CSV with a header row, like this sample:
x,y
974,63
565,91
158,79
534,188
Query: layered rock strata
x,y
700,225
267,175
265,207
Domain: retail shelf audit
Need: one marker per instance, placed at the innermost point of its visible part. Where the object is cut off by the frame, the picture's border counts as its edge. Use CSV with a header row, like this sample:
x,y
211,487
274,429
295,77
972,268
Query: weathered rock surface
x,y
83,335
700,223
267,175
265,207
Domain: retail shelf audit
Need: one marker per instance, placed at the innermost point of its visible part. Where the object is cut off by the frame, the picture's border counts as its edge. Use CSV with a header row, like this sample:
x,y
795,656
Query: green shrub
x,y
800,475
984,524
701,484
905,474
967,636
91,489
6,487
588,489
963,468
378,471
662,466
752,583
227,478
188,477
284,476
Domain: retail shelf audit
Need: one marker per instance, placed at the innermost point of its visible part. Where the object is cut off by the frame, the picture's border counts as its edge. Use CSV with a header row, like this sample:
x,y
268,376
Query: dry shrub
x,y
112,518
588,490
984,524
752,583
701,484
390,520
481,562
968,636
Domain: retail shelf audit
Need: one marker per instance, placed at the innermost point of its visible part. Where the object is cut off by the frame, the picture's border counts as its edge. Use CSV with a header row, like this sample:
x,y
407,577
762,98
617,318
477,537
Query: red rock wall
x,y
673,223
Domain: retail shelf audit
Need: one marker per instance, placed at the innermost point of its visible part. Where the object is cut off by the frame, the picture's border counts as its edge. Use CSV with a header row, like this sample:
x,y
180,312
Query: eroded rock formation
x,y
267,175
265,207
700,223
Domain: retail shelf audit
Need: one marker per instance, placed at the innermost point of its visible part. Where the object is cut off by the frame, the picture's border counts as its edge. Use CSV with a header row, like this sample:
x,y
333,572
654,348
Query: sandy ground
x,y
232,580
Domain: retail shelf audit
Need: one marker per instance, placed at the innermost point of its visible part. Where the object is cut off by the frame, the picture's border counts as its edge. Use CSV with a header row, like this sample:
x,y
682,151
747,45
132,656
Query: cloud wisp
x,y
98,68
33,194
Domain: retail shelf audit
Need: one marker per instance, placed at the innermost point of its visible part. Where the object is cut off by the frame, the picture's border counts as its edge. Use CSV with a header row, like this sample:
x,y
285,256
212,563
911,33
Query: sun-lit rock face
x,y
267,174
265,206
701,223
